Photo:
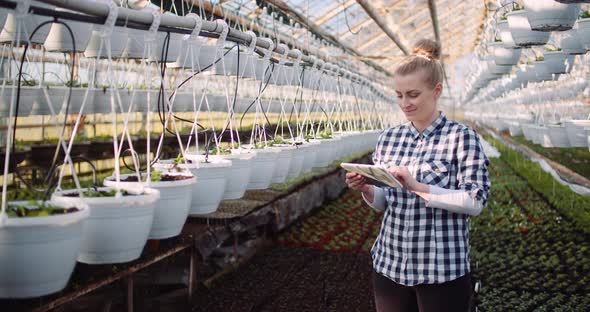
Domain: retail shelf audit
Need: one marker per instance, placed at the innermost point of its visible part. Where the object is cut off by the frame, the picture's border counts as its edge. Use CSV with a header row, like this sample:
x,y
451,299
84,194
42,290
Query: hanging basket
x,y
571,43
30,22
118,227
506,35
558,136
521,30
29,97
38,254
119,39
211,181
283,163
504,56
240,173
296,167
559,63
543,72
549,15
263,167
60,40
582,29
171,210
309,159
575,132
514,128
498,69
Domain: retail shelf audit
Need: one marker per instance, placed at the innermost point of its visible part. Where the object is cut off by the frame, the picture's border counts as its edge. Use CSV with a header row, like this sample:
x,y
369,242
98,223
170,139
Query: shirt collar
x,y
435,125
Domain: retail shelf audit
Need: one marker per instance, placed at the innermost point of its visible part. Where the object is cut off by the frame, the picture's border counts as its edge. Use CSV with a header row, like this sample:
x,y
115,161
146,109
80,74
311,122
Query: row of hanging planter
x,y
527,27
40,241
543,89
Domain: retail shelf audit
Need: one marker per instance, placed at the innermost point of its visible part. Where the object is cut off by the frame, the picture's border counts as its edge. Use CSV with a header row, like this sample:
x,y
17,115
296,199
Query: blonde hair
x,y
425,55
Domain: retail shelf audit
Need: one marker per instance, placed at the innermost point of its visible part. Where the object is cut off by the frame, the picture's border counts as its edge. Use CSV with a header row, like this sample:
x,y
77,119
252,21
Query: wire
x,y
49,178
346,20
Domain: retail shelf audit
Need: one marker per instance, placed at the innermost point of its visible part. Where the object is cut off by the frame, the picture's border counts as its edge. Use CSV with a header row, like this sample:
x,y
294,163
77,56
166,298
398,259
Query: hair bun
x,y
428,48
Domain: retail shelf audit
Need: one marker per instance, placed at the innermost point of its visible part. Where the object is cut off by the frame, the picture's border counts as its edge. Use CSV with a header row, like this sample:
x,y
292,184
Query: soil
x,y
165,178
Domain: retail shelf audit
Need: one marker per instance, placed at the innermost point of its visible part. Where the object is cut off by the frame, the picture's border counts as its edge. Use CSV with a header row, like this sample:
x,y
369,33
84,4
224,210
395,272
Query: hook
x,y
198,26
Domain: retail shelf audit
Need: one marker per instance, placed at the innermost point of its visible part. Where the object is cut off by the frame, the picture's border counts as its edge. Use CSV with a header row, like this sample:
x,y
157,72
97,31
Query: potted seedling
x,y
549,15
39,244
175,185
119,222
241,169
558,62
521,31
582,29
212,173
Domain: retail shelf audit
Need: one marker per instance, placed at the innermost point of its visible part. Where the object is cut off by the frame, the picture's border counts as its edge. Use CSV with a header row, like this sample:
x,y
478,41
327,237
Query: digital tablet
x,y
375,175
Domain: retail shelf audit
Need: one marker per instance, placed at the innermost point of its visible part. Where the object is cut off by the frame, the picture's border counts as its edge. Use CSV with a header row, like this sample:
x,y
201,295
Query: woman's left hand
x,y
407,180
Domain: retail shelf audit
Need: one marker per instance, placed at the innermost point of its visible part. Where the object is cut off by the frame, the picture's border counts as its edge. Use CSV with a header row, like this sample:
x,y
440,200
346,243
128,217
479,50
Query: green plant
x,y
326,134
156,176
552,49
277,141
540,58
585,14
34,208
497,40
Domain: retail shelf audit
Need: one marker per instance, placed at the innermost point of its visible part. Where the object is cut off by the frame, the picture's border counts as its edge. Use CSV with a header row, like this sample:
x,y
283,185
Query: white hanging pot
x,y
264,69
571,43
283,163
558,136
174,47
505,56
582,29
60,40
263,168
506,35
29,97
208,56
30,22
134,48
310,156
575,132
543,137
211,181
543,72
38,254
189,54
521,30
559,63
118,39
499,69
514,128
117,229
171,210
240,173
296,167
549,15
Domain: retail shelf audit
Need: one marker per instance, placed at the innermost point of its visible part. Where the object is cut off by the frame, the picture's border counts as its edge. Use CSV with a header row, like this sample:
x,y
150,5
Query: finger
x,y
352,174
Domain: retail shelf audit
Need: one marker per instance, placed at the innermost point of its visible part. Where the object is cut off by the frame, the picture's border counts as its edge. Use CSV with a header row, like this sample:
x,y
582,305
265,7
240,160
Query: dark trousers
x,y
452,296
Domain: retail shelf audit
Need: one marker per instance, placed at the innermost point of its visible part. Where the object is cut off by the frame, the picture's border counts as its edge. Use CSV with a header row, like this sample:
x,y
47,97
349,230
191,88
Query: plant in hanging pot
x,y
505,34
521,31
119,222
241,169
549,15
263,165
171,210
283,162
39,244
571,43
558,62
558,136
582,29
212,173
504,56
576,132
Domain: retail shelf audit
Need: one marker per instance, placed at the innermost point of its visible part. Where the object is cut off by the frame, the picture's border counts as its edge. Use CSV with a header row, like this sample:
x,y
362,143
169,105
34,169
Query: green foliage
x,y
497,40
34,208
585,14
540,58
155,176
326,134
552,49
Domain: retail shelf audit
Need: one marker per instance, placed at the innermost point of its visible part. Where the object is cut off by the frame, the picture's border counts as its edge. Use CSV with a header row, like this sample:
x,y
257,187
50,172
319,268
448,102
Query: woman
x,y
421,256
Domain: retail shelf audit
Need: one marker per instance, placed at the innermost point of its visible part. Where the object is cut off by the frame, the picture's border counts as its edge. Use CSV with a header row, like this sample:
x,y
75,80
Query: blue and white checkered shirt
x,y
418,244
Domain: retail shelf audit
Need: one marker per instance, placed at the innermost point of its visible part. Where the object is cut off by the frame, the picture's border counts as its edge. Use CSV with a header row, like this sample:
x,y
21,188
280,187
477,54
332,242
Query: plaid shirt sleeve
x,y
472,174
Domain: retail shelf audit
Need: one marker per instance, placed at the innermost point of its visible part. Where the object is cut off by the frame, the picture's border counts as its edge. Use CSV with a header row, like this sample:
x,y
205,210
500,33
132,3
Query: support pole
x,y
381,23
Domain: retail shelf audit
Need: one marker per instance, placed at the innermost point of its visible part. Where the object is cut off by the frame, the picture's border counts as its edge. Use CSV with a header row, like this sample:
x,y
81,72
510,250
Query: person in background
x,y
421,255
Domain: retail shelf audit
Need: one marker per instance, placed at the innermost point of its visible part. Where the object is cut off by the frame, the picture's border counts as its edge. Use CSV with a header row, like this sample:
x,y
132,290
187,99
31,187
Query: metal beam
x,y
379,21
334,12
434,18
305,22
